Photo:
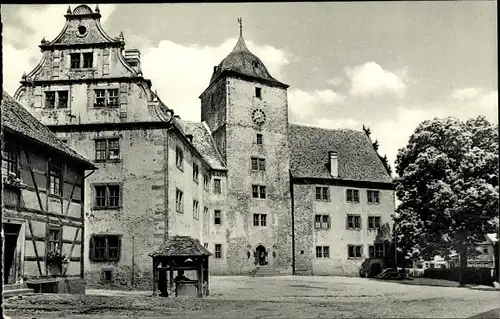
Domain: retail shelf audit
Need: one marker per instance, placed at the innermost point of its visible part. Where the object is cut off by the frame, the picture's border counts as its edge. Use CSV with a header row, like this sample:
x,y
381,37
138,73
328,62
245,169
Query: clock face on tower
x,y
258,116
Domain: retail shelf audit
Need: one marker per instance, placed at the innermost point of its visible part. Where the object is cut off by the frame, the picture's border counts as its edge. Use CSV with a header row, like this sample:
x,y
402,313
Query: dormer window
x,y
255,64
82,60
258,93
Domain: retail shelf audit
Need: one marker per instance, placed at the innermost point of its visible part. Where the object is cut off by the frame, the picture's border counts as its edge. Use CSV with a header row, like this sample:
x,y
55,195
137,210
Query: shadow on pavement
x,y
495,313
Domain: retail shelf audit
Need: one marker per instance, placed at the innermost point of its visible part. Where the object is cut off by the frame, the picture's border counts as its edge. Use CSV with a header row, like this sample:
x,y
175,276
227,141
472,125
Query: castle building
x,y
254,189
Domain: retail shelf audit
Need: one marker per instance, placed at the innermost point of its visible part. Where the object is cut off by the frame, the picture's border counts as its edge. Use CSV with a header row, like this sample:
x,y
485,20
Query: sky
x,y
386,65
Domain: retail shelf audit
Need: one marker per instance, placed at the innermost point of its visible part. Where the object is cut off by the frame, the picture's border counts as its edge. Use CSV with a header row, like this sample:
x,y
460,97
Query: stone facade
x,y
242,144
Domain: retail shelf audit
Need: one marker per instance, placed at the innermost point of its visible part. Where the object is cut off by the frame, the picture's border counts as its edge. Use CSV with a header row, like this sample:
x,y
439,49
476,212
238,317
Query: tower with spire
x,y
246,110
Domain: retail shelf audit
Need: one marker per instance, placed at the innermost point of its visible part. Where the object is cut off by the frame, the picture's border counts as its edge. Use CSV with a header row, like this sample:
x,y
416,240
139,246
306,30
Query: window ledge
x,y
95,106
104,260
355,229
355,258
108,161
106,208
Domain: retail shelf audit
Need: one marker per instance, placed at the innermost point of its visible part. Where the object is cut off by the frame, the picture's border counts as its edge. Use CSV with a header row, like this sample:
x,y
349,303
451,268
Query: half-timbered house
x,y
43,211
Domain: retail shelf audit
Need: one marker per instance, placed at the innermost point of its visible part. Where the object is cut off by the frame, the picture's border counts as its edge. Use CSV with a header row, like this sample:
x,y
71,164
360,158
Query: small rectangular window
x,y
62,99
206,183
256,219
107,149
259,139
373,197
113,148
196,213
260,220
179,202
218,251
373,222
179,157
376,250
353,222
75,59
107,196
105,248
100,98
113,97
258,92
217,186
217,217
354,251
322,193
10,158
259,191
50,99
352,196
322,221
258,164
55,178
195,173
54,238
322,252
88,59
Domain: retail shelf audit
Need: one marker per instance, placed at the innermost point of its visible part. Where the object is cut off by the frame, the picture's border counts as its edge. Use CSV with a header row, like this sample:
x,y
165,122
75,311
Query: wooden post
x,y
155,275
208,274
171,277
199,276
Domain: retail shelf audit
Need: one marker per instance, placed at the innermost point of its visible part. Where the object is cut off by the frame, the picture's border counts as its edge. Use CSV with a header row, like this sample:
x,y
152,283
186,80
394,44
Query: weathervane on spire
x,y
240,21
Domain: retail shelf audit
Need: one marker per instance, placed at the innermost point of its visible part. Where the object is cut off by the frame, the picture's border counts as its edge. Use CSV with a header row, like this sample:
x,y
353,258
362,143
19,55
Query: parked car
x,y
371,267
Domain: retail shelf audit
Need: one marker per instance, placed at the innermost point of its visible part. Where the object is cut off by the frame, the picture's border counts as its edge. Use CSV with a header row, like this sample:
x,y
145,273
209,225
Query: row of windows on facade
x,y
353,251
352,195
108,247
102,98
10,162
352,222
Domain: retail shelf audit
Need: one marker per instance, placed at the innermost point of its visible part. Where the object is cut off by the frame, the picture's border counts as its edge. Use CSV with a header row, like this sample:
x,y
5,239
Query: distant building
x,y
484,259
254,189
43,200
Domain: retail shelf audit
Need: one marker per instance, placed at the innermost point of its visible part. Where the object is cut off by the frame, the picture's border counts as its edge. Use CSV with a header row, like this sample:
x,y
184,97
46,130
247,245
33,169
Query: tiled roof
x,y
180,246
244,62
357,159
17,119
203,142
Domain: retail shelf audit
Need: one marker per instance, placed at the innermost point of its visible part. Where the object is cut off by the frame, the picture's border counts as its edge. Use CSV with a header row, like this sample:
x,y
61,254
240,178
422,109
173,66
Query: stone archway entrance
x,y
260,255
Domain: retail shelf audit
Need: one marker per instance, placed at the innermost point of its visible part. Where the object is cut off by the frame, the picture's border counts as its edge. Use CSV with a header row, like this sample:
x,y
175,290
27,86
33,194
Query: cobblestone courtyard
x,y
268,297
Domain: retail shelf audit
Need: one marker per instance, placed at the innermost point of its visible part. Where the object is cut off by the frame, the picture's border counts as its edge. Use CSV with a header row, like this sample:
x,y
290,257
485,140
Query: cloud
x,y
335,81
181,73
370,79
465,94
308,107
23,31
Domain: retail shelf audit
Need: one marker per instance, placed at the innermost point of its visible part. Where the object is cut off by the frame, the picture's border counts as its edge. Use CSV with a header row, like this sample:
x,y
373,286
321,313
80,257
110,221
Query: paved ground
x,y
268,297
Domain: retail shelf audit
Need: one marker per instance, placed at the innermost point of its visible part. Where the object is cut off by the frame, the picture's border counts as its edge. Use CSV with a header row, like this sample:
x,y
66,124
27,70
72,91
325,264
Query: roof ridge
x,y
324,128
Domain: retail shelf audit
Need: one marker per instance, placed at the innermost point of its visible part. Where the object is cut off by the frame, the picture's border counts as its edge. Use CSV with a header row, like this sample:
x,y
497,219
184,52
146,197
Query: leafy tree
x,y
448,187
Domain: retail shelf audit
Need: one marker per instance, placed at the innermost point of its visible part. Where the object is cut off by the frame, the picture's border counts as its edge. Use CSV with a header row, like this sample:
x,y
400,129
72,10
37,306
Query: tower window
x,y
259,139
258,93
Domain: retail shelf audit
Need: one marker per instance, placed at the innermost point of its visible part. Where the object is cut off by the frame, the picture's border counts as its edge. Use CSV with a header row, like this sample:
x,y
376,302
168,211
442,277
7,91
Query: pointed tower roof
x,y
243,62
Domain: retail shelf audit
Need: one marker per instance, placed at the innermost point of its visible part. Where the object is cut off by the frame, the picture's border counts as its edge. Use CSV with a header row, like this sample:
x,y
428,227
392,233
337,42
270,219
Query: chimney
x,y
334,164
177,116
133,58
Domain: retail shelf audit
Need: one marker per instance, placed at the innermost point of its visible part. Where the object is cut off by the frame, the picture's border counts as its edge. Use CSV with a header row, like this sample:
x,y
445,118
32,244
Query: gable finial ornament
x,y
43,40
97,8
69,10
240,21
24,75
121,35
